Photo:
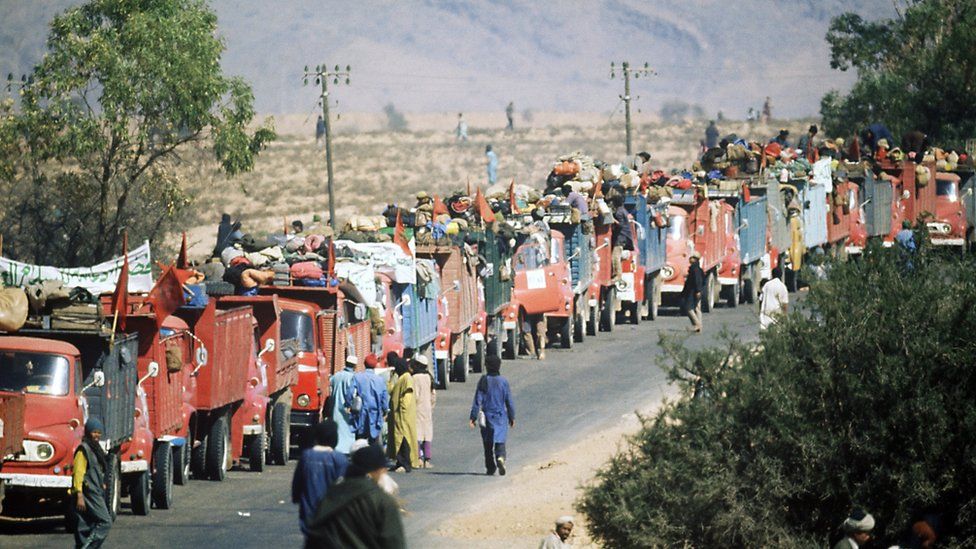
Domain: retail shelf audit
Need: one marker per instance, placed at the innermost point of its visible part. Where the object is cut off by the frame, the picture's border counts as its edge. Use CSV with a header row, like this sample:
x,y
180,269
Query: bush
x,y
863,398
395,121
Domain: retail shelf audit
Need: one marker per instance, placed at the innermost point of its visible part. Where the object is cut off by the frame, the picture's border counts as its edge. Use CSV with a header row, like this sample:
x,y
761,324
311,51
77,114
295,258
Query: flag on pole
x,y
469,186
332,259
167,294
439,207
400,237
484,210
120,298
511,197
181,261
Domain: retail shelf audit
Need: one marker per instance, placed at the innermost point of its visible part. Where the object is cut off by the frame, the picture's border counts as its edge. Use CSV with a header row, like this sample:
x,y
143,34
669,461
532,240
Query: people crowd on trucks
x,y
338,341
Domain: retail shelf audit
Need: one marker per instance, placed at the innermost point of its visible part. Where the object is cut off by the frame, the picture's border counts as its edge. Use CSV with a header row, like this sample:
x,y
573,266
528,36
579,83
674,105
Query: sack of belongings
x,y
40,294
13,309
922,176
307,270
76,316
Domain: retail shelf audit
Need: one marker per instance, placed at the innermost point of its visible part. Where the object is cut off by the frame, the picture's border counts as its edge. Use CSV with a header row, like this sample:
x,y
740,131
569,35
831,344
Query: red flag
x,y
120,298
332,260
746,194
484,210
181,261
167,294
439,207
511,197
399,236
469,185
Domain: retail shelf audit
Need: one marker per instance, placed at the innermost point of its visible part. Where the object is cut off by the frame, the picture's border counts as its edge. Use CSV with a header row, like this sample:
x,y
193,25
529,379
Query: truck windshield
x,y
676,230
34,373
530,256
298,326
946,189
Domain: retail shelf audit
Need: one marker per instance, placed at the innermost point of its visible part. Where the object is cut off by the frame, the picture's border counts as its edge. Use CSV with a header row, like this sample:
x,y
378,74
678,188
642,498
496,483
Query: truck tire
x,y
162,476
219,288
511,347
734,294
139,494
256,448
479,356
218,449
708,296
608,313
579,326
566,333
459,366
113,482
443,378
280,433
593,321
198,456
181,463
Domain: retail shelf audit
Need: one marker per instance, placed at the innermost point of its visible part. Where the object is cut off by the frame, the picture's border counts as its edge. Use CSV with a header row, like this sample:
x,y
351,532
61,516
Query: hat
x,y
371,361
94,424
369,458
839,141
859,521
421,359
565,519
883,143
696,255
422,195
351,360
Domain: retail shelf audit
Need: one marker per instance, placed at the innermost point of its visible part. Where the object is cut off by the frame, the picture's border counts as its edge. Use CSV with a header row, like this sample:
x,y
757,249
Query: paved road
x,y
572,394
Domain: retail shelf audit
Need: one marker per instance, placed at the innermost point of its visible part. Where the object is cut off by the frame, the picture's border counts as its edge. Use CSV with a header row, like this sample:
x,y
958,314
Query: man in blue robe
x,y
375,402
341,388
493,399
319,467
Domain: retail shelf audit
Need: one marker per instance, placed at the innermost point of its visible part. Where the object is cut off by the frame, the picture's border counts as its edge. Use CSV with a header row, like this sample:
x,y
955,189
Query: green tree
x,y
915,71
862,398
91,148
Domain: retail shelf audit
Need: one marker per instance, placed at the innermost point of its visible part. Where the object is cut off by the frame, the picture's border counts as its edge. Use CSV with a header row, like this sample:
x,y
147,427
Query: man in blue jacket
x,y
371,388
493,399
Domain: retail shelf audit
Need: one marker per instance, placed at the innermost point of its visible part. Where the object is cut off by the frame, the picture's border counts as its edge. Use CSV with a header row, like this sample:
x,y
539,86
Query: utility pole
x,y
322,74
626,70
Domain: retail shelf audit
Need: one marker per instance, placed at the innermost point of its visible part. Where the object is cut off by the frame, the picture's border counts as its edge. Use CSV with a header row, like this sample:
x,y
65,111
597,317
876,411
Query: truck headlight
x,y
303,400
667,272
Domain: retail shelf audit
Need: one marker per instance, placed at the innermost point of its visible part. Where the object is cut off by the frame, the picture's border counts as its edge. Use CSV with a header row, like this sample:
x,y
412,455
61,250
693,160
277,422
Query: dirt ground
x,y
522,513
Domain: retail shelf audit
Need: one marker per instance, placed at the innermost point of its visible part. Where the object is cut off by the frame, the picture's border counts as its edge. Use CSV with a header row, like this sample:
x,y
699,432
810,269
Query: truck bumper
x,y
853,250
253,429
134,466
36,481
303,418
672,288
948,241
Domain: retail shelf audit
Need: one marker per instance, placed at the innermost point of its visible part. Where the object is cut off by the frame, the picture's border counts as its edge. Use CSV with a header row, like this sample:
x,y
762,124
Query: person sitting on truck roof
x,y
88,484
576,200
782,139
711,135
874,133
319,467
806,142
916,142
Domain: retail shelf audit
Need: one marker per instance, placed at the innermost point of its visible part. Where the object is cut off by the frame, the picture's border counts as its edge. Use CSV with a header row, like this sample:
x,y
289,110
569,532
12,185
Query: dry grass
x,y
375,167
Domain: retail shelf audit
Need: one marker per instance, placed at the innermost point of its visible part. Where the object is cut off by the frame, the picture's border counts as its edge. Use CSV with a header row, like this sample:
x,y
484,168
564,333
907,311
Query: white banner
x,y
384,257
97,279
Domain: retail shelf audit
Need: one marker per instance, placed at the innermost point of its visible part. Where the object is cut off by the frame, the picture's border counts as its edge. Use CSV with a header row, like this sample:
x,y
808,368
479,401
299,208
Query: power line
x,y
322,74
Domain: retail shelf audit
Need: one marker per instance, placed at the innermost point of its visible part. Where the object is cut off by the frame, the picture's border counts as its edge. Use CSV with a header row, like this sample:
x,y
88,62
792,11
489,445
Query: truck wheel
x,y
280,433
566,333
162,476
511,347
113,480
579,327
181,463
255,453
459,366
218,449
139,494
735,293
479,356
592,323
443,376
198,457
708,296
608,314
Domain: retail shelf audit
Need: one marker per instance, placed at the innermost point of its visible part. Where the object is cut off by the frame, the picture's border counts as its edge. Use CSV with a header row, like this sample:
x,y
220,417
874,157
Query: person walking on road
x,y
356,512
774,300
342,389
402,446
492,165
493,411
510,114
88,484
319,467
426,395
462,128
319,130
691,294
375,402
556,539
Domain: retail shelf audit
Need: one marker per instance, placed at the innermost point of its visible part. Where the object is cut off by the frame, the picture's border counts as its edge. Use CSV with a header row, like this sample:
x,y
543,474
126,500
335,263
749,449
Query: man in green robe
x,y
88,487
403,446
356,513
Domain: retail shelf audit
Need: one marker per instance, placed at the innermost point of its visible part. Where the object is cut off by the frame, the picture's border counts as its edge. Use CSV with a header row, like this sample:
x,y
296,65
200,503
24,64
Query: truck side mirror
x,y
269,346
745,225
98,380
152,371
201,357
457,285
969,191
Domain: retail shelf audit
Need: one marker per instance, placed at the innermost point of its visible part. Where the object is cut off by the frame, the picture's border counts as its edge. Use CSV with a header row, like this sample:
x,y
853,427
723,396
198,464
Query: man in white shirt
x,y
556,539
774,300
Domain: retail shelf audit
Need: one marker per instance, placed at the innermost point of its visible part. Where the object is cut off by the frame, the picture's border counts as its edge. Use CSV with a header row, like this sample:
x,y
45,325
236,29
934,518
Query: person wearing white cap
x,y
857,530
343,395
556,539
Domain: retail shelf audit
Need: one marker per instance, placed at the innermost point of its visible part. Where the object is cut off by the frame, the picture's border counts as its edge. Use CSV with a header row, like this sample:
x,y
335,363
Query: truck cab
x,y
950,224
543,284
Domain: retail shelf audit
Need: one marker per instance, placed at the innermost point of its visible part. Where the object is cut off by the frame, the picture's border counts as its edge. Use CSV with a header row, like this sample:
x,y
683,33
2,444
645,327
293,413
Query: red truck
x,y
697,225
459,308
67,376
543,286
327,325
